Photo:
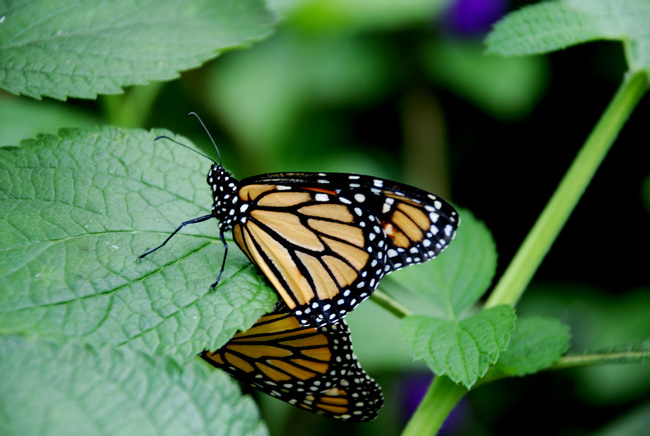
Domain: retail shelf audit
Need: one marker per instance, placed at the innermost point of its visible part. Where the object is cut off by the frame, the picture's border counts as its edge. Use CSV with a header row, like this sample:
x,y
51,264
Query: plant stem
x,y
437,404
531,253
580,361
390,304
443,394
639,356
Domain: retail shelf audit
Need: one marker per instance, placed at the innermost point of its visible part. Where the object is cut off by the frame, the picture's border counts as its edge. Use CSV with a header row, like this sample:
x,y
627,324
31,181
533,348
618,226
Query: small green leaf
x,y
461,274
75,212
535,344
61,48
74,390
462,350
551,26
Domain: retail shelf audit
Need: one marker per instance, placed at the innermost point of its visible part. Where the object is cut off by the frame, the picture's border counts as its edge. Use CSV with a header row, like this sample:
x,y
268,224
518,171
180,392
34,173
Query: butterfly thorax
x,y
224,193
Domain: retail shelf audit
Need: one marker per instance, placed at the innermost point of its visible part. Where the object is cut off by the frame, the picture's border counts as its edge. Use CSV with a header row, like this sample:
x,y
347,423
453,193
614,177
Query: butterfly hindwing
x,y
314,369
324,240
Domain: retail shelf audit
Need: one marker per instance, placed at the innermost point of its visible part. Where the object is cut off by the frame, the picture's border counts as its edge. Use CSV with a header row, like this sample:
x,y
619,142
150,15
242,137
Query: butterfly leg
x,y
223,263
192,221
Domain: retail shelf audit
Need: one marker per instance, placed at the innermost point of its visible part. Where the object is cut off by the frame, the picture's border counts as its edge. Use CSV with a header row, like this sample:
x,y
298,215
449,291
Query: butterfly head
x,y
224,193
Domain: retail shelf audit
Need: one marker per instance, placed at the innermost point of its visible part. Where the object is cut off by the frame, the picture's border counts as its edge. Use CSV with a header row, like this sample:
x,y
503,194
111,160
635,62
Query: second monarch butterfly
x,y
314,369
324,240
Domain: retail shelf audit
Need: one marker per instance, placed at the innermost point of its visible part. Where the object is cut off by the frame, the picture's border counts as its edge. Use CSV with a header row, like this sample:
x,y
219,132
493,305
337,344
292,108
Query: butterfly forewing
x,y
324,240
315,369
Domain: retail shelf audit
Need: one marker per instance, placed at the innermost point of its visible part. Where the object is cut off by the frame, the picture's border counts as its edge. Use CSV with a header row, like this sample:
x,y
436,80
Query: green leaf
x,y
551,26
74,390
601,323
356,15
301,73
506,88
462,350
631,422
455,280
61,48
535,344
75,212
24,118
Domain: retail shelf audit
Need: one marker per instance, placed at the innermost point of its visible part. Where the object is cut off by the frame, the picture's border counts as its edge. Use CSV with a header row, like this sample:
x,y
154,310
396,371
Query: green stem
x,y
390,304
621,357
443,394
437,404
579,361
531,253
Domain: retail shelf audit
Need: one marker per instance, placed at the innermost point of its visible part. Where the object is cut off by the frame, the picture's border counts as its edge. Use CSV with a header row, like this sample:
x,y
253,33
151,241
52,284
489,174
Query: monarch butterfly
x,y
314,369
324,240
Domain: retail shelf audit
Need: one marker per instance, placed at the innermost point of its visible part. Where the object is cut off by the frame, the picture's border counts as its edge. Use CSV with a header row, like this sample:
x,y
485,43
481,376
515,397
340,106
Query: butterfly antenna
x,y
184,145
209,136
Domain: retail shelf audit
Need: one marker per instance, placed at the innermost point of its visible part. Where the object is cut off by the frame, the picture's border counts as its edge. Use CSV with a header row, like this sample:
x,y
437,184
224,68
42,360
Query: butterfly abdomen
x,y
224,193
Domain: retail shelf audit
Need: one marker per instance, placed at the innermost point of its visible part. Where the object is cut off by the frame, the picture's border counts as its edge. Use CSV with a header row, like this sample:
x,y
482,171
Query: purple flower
x,y
412,389
474,17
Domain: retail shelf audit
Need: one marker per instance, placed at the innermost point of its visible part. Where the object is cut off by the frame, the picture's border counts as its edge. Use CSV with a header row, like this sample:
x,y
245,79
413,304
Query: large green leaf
x,y
77,209
64,48
551,26
74,390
